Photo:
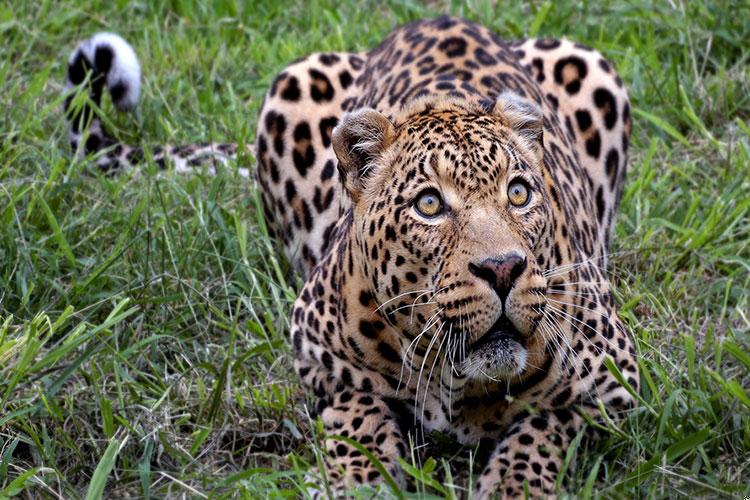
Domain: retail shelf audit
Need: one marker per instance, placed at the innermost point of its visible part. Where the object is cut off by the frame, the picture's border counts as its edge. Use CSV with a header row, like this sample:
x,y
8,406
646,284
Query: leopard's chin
x,y
498,355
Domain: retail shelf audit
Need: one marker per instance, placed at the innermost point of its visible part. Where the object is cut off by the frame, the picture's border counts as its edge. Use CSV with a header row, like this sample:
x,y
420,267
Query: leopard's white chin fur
x,y
498,360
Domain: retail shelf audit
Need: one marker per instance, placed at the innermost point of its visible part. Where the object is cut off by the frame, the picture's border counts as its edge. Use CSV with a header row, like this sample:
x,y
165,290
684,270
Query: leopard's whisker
x,y
429,324
411,363
411,306
558,334
567,317
429,376
571,293
570,357
589,260
568,352
579,283
411,316
421,369
569,304
423,290
443,362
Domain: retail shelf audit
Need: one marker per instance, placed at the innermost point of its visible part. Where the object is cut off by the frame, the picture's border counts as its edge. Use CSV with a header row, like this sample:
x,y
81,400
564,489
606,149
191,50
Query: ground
x,y
143,319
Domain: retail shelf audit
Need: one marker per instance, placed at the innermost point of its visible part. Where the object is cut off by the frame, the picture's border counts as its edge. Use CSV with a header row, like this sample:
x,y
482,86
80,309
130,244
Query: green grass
x,y
143,320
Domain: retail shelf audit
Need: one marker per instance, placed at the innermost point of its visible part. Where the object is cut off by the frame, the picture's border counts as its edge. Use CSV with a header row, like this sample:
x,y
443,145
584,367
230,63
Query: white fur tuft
x,y
125,69
501,360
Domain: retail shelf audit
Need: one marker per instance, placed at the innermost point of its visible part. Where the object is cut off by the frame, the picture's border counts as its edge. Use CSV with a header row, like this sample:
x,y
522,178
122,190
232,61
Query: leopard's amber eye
x,y
429,203
518,194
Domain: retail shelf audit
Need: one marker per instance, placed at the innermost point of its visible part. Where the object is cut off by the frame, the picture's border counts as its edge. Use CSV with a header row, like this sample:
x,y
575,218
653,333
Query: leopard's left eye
x,y
519,193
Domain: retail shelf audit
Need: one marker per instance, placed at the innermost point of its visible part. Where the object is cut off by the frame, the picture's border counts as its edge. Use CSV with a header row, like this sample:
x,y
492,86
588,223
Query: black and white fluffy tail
x,y
106,60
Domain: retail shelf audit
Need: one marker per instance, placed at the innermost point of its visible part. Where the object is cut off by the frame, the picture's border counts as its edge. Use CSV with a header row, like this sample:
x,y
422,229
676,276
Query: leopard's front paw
x,y
340,480
511,485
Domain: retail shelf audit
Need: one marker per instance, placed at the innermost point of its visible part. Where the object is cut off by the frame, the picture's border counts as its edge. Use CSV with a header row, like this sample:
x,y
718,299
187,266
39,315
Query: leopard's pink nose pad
x,y
500,272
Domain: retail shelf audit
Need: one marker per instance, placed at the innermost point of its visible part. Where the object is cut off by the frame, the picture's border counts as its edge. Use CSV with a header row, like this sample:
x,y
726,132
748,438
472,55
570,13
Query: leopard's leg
x,y
369,420
531,452
107,61
297,169
592,103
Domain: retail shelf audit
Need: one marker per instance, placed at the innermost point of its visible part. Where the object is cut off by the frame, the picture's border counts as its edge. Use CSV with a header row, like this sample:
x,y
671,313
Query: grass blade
x,y
670,454
105,466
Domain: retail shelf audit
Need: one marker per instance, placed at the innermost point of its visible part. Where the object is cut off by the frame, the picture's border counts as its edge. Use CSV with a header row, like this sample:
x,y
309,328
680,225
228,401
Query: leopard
x,y
448,199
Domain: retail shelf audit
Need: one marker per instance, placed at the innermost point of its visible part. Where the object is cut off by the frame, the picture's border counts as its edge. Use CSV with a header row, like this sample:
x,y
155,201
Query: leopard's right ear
x,y
523,116
358,140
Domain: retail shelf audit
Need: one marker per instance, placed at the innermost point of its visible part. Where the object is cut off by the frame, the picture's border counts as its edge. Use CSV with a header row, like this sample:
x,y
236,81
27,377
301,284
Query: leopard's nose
x,y
500,272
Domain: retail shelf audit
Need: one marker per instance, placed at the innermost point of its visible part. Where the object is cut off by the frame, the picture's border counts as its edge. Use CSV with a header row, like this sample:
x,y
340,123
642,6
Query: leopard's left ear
x,y
522,115
358,140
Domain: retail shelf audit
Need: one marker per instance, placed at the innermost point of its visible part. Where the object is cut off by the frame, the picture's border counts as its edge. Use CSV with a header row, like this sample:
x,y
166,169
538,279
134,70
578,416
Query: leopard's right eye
x,y
519,194
429,203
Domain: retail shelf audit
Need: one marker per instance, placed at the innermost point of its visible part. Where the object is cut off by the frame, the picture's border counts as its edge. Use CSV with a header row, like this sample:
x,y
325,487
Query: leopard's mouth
x,y
499,354
501,332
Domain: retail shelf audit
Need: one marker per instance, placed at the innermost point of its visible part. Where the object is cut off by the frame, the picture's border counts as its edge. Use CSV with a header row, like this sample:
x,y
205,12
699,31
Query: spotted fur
x,y
489,322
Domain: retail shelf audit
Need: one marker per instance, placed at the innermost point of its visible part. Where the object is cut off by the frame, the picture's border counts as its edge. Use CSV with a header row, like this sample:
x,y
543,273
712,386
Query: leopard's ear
x,y
522,115
358,140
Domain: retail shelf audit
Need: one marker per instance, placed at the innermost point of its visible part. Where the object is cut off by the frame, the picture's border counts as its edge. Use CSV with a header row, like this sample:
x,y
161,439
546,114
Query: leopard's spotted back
x,y
296,165
591,103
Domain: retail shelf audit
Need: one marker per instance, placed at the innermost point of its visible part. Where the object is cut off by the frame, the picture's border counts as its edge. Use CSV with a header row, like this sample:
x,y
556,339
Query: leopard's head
x,y
451,220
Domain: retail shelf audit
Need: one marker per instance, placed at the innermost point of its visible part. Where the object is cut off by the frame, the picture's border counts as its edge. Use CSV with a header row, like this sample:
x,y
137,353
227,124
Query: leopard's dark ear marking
x,y
359,138
523,116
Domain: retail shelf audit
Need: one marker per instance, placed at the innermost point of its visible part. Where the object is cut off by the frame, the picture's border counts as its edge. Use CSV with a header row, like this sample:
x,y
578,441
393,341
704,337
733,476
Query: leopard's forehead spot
x,y
470,153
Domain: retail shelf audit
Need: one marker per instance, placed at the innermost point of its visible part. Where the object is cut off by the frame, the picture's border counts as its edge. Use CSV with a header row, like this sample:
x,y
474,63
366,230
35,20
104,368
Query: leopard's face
x,y
449,226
